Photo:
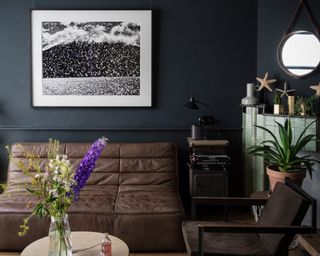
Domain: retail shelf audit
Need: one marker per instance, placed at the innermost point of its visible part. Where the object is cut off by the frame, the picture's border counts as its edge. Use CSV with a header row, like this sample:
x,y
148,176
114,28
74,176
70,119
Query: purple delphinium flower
x,y
87,165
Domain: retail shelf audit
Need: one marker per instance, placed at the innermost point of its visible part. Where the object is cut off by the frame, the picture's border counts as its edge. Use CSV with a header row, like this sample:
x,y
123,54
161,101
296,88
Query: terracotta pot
x,y
276,176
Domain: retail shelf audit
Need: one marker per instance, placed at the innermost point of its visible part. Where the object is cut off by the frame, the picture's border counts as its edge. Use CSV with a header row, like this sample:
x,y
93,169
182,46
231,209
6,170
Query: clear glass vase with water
x,y
60,237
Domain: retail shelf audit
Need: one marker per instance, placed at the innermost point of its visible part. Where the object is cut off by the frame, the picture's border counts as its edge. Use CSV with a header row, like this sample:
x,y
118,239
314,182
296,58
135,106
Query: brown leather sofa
x,y
132,194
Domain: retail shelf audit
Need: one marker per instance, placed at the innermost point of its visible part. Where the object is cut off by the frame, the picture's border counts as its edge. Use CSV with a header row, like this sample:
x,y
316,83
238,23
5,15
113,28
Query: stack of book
x,y
209,154
210,161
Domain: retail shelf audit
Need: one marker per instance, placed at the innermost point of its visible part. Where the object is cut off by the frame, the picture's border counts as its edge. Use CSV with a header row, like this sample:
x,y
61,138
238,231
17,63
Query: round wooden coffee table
x,y
83,243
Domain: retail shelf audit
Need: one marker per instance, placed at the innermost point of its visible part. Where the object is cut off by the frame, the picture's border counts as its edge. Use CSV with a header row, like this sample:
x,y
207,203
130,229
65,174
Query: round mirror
x,y
299,53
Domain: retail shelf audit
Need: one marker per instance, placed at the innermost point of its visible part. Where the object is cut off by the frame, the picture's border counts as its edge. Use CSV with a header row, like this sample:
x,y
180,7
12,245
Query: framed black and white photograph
x,y
91,58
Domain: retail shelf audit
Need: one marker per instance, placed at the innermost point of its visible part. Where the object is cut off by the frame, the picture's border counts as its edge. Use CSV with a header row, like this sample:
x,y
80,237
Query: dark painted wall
x,y
273,19
206,47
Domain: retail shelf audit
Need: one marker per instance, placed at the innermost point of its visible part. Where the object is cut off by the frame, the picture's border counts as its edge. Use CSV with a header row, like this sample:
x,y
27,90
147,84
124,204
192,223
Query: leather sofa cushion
x,y
95,199
134,199
16,202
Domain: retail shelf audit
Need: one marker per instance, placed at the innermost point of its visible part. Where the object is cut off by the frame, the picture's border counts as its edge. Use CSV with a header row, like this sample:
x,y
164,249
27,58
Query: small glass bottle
x,y
106,246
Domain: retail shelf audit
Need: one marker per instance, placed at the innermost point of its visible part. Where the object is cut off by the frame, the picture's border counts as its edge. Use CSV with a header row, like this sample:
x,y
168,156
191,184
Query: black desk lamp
x,y
196,129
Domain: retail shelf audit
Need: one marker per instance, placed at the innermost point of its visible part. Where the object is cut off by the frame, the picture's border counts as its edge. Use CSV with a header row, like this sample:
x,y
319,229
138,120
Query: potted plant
x,y
281,154
310,105
277,107
305,105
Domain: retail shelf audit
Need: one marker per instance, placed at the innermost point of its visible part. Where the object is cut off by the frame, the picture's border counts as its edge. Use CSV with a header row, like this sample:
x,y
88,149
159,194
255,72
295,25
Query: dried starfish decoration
x,y
265,83
316,88
285,90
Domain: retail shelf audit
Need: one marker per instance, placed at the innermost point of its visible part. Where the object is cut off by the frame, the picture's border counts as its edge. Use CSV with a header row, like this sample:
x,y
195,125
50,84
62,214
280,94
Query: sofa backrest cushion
x,y
119,163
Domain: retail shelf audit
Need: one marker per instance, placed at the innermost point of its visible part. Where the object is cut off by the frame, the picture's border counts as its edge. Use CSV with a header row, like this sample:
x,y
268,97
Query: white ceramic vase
x,y
250,99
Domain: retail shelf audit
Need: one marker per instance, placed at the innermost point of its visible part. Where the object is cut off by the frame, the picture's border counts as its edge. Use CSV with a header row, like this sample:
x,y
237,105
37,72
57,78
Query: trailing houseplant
x,y
282,154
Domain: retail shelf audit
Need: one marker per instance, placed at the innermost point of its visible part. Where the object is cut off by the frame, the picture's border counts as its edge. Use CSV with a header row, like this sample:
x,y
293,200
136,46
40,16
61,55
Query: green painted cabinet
x,y
254,167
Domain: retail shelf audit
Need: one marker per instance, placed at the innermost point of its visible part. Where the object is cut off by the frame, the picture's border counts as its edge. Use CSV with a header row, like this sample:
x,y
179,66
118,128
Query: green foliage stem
x,y
276,99
50,185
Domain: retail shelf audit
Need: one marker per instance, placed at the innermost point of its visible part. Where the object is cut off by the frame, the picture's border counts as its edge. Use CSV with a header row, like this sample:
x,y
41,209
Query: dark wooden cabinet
x,y
208,183
208,171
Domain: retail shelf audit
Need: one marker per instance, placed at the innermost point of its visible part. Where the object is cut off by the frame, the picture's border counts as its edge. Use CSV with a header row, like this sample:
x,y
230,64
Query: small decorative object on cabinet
x,y
305,106
290,105
316,87
208,172
277,106
265,82
290,99
285,90
250,99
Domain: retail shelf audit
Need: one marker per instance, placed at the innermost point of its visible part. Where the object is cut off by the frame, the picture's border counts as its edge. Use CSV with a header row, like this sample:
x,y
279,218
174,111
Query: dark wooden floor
x,y
216,214
295,252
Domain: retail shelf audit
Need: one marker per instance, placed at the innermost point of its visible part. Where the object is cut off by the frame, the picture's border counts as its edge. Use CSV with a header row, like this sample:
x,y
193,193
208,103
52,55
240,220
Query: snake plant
x,y
282,152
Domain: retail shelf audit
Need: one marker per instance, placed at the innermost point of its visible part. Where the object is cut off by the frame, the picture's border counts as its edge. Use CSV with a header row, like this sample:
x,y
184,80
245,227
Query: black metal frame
x,y
222,228
226,201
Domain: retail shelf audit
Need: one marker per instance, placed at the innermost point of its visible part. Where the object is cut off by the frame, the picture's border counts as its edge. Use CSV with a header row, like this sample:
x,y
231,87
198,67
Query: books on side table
x,y
208,154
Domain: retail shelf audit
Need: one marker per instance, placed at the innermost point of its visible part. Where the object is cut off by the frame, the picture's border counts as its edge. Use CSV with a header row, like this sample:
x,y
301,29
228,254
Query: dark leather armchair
x,y
280,220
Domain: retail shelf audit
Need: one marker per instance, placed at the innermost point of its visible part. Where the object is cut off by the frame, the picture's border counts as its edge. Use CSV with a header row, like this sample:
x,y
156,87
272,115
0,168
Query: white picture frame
x,y
91,58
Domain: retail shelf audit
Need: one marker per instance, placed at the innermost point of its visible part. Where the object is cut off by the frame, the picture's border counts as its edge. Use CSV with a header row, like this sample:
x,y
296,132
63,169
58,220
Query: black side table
x,y
208,171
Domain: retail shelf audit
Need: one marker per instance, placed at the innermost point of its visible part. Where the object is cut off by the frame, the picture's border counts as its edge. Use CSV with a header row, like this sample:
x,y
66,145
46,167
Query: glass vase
x,y
60,237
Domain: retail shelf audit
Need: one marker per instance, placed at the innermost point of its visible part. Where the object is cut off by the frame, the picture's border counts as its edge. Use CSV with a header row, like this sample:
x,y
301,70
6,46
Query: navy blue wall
x,y
206,47
273,19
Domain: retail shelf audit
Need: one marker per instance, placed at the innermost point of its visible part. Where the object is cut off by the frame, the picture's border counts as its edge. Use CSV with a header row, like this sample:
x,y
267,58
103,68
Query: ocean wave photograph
x,y
90,58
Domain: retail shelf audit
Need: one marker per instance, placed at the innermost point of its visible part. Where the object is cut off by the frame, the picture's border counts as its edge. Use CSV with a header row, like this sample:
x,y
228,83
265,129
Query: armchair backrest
x,y
285,207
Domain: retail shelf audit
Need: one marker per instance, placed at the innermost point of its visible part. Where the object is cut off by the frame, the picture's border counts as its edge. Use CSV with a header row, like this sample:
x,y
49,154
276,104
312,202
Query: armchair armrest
x,y
240,228
230,200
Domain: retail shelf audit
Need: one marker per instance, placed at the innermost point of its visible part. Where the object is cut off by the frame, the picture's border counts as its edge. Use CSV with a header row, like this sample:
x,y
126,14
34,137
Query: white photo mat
x,y
64,81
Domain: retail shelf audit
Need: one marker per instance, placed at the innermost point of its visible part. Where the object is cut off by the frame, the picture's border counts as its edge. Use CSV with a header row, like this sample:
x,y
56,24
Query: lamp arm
x,y
204,104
